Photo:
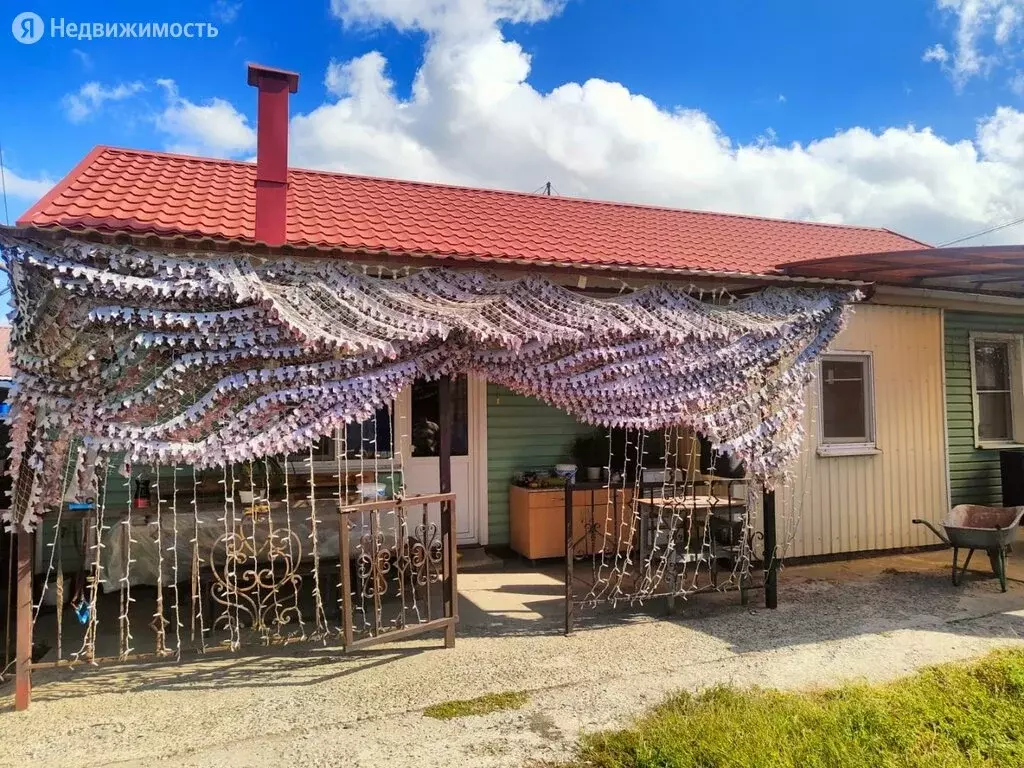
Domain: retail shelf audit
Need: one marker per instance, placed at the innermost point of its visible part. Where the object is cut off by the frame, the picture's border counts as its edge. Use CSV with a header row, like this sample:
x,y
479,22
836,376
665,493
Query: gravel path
x,y
314,707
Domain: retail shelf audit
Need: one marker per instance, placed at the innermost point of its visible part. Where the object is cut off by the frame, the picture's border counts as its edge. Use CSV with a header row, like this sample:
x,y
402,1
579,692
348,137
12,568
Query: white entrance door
x,y
421,444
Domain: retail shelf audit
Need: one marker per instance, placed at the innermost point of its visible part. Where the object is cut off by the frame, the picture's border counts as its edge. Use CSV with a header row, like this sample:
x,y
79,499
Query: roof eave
x,y
182,241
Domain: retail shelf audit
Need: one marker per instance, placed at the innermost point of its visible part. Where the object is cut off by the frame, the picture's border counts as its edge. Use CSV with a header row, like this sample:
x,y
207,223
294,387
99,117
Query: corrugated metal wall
x,y
858,503
522,434
973,473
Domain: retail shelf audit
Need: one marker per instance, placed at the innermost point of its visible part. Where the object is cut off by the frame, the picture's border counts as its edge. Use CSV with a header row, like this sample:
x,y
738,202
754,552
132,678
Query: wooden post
x,y
771,562
23,652
20,497
444,468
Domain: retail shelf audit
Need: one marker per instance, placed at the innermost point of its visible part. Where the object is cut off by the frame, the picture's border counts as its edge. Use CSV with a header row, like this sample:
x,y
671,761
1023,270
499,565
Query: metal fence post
x,y
344,556
570,554
451,571
450,596
771,561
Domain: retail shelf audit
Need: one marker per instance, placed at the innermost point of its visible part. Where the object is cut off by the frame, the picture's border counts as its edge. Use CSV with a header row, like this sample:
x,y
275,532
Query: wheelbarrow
x,y
971,527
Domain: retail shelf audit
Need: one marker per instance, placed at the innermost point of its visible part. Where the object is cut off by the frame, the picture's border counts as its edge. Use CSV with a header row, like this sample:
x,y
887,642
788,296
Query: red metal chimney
x,y
272,150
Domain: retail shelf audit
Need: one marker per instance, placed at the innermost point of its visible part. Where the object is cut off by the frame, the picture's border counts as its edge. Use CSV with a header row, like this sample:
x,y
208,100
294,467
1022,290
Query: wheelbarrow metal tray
x,y
973,526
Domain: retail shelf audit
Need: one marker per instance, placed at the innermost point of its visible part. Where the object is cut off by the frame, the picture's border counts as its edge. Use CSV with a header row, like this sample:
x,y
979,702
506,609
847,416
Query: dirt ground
x,y
312,706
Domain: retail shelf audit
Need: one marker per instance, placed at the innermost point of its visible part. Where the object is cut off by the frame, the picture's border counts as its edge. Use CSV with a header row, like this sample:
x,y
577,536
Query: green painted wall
x,y
522,434
973,473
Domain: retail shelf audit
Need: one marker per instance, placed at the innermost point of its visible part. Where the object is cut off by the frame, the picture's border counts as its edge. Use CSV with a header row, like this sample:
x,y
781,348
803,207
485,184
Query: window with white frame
x,y
360,441
847,417
998,389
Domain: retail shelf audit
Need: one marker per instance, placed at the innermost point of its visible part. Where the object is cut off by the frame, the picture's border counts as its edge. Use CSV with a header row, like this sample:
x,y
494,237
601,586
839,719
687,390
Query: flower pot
x,y
246,497
593,473
568,471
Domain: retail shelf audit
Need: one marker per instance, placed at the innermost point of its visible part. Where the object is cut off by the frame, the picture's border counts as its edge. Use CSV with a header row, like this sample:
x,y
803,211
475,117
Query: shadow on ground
x,y
512,599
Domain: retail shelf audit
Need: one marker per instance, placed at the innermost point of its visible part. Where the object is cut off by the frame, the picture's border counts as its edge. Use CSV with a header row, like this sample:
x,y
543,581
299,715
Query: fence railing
x,y
201,580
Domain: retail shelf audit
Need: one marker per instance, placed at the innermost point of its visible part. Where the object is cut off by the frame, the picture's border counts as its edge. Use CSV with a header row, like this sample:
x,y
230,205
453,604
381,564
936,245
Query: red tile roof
x,y
119,190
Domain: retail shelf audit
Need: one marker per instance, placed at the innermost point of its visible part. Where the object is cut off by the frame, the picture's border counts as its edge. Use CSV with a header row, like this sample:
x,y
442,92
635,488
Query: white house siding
x,y
861,503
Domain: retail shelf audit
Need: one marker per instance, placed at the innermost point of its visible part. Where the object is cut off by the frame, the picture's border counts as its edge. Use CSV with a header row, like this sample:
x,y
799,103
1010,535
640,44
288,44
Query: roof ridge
x,y
922,243
99,149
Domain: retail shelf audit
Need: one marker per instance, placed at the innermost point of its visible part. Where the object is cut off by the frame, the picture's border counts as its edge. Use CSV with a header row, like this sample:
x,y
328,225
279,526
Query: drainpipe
x,y
273,85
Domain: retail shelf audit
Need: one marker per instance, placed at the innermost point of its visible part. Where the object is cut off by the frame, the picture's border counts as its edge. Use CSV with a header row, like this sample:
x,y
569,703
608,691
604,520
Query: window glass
x,y
992,364
993,388
367,440
426,413
844,400
370,439
995,416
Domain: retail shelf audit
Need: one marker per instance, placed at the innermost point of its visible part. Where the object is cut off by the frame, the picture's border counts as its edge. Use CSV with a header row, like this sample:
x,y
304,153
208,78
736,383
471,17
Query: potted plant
x,y
590,452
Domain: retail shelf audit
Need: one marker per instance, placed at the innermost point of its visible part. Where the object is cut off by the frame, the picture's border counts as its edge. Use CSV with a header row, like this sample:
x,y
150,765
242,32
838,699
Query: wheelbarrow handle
x,y
938,532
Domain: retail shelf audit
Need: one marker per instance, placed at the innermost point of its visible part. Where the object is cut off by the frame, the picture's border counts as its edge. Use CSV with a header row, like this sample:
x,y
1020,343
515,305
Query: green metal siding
x,y
522,434
973,473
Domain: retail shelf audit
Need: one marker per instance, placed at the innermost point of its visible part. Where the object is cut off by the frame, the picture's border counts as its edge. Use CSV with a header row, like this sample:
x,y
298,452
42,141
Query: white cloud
x,y
215,128
449,17
937,53
1001,137
25,188
83,58
473,117
93,95
225,11
987,33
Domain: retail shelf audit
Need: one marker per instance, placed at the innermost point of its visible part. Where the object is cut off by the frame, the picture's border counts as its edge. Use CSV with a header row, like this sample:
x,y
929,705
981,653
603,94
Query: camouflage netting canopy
x,y
208,359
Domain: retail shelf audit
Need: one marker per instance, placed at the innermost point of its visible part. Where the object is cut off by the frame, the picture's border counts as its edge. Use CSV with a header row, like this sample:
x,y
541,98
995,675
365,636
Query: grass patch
x,y
481,705
946,716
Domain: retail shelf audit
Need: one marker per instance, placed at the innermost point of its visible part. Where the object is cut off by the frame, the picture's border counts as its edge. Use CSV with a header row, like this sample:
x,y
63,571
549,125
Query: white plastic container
x,y
372,491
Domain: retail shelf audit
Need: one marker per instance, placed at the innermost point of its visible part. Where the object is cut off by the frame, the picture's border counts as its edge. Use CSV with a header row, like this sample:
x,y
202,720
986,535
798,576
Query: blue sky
x,y
797,108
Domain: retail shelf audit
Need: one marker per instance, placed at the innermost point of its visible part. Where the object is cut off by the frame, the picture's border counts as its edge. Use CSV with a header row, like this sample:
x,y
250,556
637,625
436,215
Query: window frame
x,y
1015,344
322,463
839,446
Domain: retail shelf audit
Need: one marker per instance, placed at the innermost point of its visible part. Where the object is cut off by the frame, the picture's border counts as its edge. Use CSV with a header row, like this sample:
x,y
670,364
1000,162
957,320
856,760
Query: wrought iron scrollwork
x,y
374,565
257,576
426,554
417,561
